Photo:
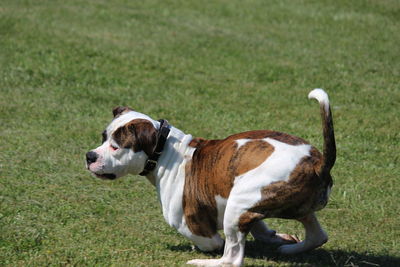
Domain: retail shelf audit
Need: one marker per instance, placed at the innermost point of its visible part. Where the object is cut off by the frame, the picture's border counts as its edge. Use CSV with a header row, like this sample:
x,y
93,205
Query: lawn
x,y
212,68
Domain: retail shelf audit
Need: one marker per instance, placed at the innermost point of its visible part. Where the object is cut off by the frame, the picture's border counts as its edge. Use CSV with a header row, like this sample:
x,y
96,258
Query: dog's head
x,y
127,142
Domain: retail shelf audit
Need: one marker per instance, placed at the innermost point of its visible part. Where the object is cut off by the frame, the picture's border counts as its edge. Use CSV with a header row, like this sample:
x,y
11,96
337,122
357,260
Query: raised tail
x,y
327,125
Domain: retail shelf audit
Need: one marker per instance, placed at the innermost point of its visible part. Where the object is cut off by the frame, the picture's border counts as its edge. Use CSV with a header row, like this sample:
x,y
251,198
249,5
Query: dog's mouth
x,y
109,176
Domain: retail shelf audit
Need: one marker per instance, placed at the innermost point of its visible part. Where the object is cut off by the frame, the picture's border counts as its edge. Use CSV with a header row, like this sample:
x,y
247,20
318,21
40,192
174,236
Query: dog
x,y
230,184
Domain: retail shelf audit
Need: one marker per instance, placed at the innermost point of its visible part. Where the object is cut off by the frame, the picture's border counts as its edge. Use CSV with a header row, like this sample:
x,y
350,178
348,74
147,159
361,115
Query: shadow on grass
x,y
318,257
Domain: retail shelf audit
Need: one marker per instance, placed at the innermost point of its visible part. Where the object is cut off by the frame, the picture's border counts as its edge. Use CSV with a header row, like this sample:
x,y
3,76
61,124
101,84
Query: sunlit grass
x,y
211,69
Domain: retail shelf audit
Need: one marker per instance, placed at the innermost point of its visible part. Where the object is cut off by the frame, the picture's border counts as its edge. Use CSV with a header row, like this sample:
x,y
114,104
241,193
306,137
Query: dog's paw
x,y
286,239
272,238
209,263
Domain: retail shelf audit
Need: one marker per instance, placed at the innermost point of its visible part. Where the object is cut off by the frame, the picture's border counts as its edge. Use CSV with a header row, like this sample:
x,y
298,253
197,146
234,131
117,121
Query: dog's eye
x,y
113,147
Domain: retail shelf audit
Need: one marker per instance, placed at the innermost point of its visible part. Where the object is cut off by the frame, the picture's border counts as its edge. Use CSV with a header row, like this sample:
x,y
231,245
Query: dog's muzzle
x,y
91,157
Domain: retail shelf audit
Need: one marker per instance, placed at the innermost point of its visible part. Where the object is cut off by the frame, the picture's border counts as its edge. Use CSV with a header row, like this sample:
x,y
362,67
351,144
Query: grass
x,y
212,69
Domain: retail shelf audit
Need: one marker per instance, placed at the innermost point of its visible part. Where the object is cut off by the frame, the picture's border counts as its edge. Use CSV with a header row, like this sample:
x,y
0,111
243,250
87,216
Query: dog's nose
x,y
91,157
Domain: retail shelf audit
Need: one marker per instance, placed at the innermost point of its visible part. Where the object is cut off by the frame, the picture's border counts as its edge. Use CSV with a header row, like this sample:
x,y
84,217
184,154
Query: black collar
x,y
162,135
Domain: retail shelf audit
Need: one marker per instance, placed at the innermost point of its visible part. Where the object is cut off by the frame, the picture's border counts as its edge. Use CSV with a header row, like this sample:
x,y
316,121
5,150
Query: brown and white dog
x,y
230,184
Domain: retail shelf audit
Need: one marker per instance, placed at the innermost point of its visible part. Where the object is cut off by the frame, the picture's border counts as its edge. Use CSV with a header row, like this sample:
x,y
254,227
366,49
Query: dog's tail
x,y
329,155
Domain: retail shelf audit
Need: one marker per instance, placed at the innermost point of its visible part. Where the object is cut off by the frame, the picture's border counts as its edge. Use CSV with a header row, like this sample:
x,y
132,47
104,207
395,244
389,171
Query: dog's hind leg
x,y
315,236
260,231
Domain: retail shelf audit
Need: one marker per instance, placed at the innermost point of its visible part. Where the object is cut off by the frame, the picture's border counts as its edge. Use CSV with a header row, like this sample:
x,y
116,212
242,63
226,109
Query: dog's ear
x,y
119,110
144,135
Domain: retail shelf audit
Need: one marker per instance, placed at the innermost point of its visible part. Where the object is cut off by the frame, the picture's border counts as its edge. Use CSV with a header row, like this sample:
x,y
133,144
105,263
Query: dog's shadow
x,y
319,257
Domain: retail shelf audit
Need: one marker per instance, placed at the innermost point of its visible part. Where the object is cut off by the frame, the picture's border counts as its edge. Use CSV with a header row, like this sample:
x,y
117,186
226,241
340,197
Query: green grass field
x,y
212,68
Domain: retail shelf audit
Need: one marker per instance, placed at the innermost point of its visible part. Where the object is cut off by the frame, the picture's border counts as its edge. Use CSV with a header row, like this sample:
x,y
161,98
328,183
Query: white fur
x,y
277,167
242,142
233,252
321,96
127,117
169,176
120,162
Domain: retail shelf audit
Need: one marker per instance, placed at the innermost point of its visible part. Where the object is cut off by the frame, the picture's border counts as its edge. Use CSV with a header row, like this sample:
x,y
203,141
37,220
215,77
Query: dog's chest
x,y
171,186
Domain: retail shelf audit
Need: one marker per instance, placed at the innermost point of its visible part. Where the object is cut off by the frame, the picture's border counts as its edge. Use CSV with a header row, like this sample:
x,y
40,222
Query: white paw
x,y
285,239
272,238
205,262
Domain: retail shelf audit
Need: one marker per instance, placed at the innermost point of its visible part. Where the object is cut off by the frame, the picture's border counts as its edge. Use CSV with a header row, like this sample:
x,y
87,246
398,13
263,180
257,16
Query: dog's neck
x,y
175,149
169,175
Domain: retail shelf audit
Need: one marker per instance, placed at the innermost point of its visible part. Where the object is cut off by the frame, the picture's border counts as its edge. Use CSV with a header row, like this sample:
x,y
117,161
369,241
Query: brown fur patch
x,y
213,168
247,219
196,142
302,194
139,135
250,156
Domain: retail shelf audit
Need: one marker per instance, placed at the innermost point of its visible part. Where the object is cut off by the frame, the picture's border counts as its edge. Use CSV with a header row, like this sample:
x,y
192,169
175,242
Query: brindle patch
x,y
138,134
293,199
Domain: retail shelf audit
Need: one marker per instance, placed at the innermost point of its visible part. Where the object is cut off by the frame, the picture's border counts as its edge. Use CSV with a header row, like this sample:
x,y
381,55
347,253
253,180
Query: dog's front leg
x,y
233,252
215,243
235,240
